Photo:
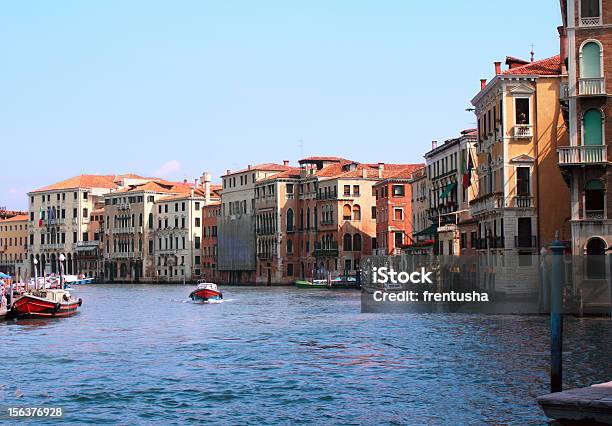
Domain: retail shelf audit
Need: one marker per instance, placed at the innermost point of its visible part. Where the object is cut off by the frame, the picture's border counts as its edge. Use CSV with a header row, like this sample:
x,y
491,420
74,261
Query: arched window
x,y
308,218
596,259
290,220
348,242
592,124
346,212
594,199
357,242
591,60
356,212
289,246
150,220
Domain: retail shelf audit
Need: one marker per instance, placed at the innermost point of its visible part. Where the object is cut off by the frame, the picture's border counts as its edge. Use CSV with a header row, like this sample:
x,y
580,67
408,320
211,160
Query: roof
x,y
294,173
548,66
88,181
368,171
265,167
18,218
160,186
322,158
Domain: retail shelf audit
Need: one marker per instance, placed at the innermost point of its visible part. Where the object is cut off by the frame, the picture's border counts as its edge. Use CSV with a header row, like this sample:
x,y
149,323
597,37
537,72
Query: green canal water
x,y
145,355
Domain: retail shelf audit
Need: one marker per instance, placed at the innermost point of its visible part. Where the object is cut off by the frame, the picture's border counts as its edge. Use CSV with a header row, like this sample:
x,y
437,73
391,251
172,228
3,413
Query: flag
x,y
467,174
40,217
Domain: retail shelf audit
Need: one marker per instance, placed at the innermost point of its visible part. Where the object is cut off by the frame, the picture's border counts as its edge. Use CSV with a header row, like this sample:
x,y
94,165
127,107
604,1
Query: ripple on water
x,y
138,355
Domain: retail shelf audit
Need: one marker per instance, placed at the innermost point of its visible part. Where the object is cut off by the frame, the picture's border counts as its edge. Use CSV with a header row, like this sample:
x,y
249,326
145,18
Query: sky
x,y
173,89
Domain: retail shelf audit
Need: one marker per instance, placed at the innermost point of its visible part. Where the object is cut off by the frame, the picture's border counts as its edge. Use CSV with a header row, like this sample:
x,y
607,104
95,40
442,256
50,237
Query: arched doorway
x,y
596,259
123,270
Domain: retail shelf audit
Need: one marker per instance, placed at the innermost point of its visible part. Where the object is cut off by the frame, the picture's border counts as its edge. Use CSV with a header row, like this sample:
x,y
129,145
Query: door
x,y
524,232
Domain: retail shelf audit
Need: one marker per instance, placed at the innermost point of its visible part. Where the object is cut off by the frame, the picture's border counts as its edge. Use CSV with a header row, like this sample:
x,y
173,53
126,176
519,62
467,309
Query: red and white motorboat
x,y
205,292
45,303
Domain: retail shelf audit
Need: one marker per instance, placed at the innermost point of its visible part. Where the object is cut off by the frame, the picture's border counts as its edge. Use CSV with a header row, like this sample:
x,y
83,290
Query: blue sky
x,y
177,88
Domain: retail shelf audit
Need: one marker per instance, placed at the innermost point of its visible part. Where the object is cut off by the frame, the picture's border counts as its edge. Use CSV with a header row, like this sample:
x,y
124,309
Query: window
x,y
522,181
290,220
398,214
289,189
589,8
289,246
74,213
357,242
85,212
355,190
346,212
290,269
594,199
373,212
398,190
347,190
591,60
197,243
521,110
463,240
356,212
592,124
197,222
398,239
348,242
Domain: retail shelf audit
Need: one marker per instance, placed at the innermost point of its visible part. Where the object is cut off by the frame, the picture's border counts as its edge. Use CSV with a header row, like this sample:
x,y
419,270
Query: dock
x,y
592,404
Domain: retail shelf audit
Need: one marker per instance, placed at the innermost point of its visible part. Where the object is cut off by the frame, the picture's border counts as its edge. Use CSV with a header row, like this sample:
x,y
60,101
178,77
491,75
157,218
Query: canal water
x,y
144,354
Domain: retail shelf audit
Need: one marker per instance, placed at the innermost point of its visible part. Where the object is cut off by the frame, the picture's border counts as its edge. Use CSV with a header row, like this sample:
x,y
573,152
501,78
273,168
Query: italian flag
x,y
40,218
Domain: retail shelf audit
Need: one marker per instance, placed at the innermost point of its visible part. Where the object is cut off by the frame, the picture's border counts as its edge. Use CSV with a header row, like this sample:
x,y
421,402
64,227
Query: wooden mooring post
x,y
556,316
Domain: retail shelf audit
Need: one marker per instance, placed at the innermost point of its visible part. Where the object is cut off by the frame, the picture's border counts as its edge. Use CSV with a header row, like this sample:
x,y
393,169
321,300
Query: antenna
x,y
532,53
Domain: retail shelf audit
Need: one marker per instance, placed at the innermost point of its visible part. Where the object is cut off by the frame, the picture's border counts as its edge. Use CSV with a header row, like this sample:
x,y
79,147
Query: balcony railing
x,y
591,86
590,21
594,214
523,131
327,249
585,154
525,241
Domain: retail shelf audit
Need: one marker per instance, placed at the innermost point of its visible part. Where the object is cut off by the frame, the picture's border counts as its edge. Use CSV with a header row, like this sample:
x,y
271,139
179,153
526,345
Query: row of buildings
x,y
534,168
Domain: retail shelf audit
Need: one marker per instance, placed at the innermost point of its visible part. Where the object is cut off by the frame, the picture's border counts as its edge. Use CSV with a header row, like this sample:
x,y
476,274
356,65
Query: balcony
x,y
590,21
326,250
525,241
264,256
522,131
580,155
594,215
591,87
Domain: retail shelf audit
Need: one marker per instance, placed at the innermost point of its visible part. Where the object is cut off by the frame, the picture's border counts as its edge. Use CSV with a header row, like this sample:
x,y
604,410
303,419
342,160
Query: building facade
x,y
236,259
210,245
14,246
522,199
452,185
59,218
585,38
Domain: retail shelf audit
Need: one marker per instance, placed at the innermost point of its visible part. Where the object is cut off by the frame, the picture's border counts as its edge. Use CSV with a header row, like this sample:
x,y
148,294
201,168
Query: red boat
x,y
205,292
45,303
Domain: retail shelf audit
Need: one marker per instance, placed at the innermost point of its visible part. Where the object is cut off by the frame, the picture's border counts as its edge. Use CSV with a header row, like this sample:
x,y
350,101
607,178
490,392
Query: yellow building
x,y
522,199
14,245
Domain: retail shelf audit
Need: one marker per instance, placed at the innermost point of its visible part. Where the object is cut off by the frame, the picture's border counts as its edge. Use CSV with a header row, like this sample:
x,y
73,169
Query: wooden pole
x,y
556,317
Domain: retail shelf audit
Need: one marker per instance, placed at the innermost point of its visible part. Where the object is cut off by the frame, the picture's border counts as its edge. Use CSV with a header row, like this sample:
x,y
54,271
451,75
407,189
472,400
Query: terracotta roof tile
x,y
548,66
266,167
18,218
88,181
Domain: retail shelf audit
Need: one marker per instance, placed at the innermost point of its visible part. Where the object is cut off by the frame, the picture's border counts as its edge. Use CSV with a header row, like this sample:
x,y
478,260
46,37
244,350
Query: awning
x,y
430,230
448,189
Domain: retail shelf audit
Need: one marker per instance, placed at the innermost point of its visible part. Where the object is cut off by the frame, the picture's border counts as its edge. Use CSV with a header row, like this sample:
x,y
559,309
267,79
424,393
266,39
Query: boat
x,y
312,284
45,303
77,280
205,292
345,281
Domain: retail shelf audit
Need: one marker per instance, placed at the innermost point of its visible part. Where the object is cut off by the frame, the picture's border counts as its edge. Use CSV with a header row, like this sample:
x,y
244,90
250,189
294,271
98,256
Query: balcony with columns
x,y
582,155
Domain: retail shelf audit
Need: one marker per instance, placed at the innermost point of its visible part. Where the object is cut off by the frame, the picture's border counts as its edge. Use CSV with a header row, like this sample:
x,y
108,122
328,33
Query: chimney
x,y
285,162
563,48
205,180
364,173
434,144
497,68
185,181
381,167
249,167
483,83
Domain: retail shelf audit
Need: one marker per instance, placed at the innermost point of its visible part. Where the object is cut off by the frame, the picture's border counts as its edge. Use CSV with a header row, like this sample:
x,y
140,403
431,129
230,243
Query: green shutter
x,y
591,65
592,127
594,184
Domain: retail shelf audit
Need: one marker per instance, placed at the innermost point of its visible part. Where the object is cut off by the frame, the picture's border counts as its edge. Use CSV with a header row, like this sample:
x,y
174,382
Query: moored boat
x,y
205,292
312,284
45,303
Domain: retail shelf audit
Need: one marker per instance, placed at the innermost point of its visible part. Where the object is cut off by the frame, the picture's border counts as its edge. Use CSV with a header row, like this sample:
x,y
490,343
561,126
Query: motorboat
x,y
312,284
206,291
45,303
